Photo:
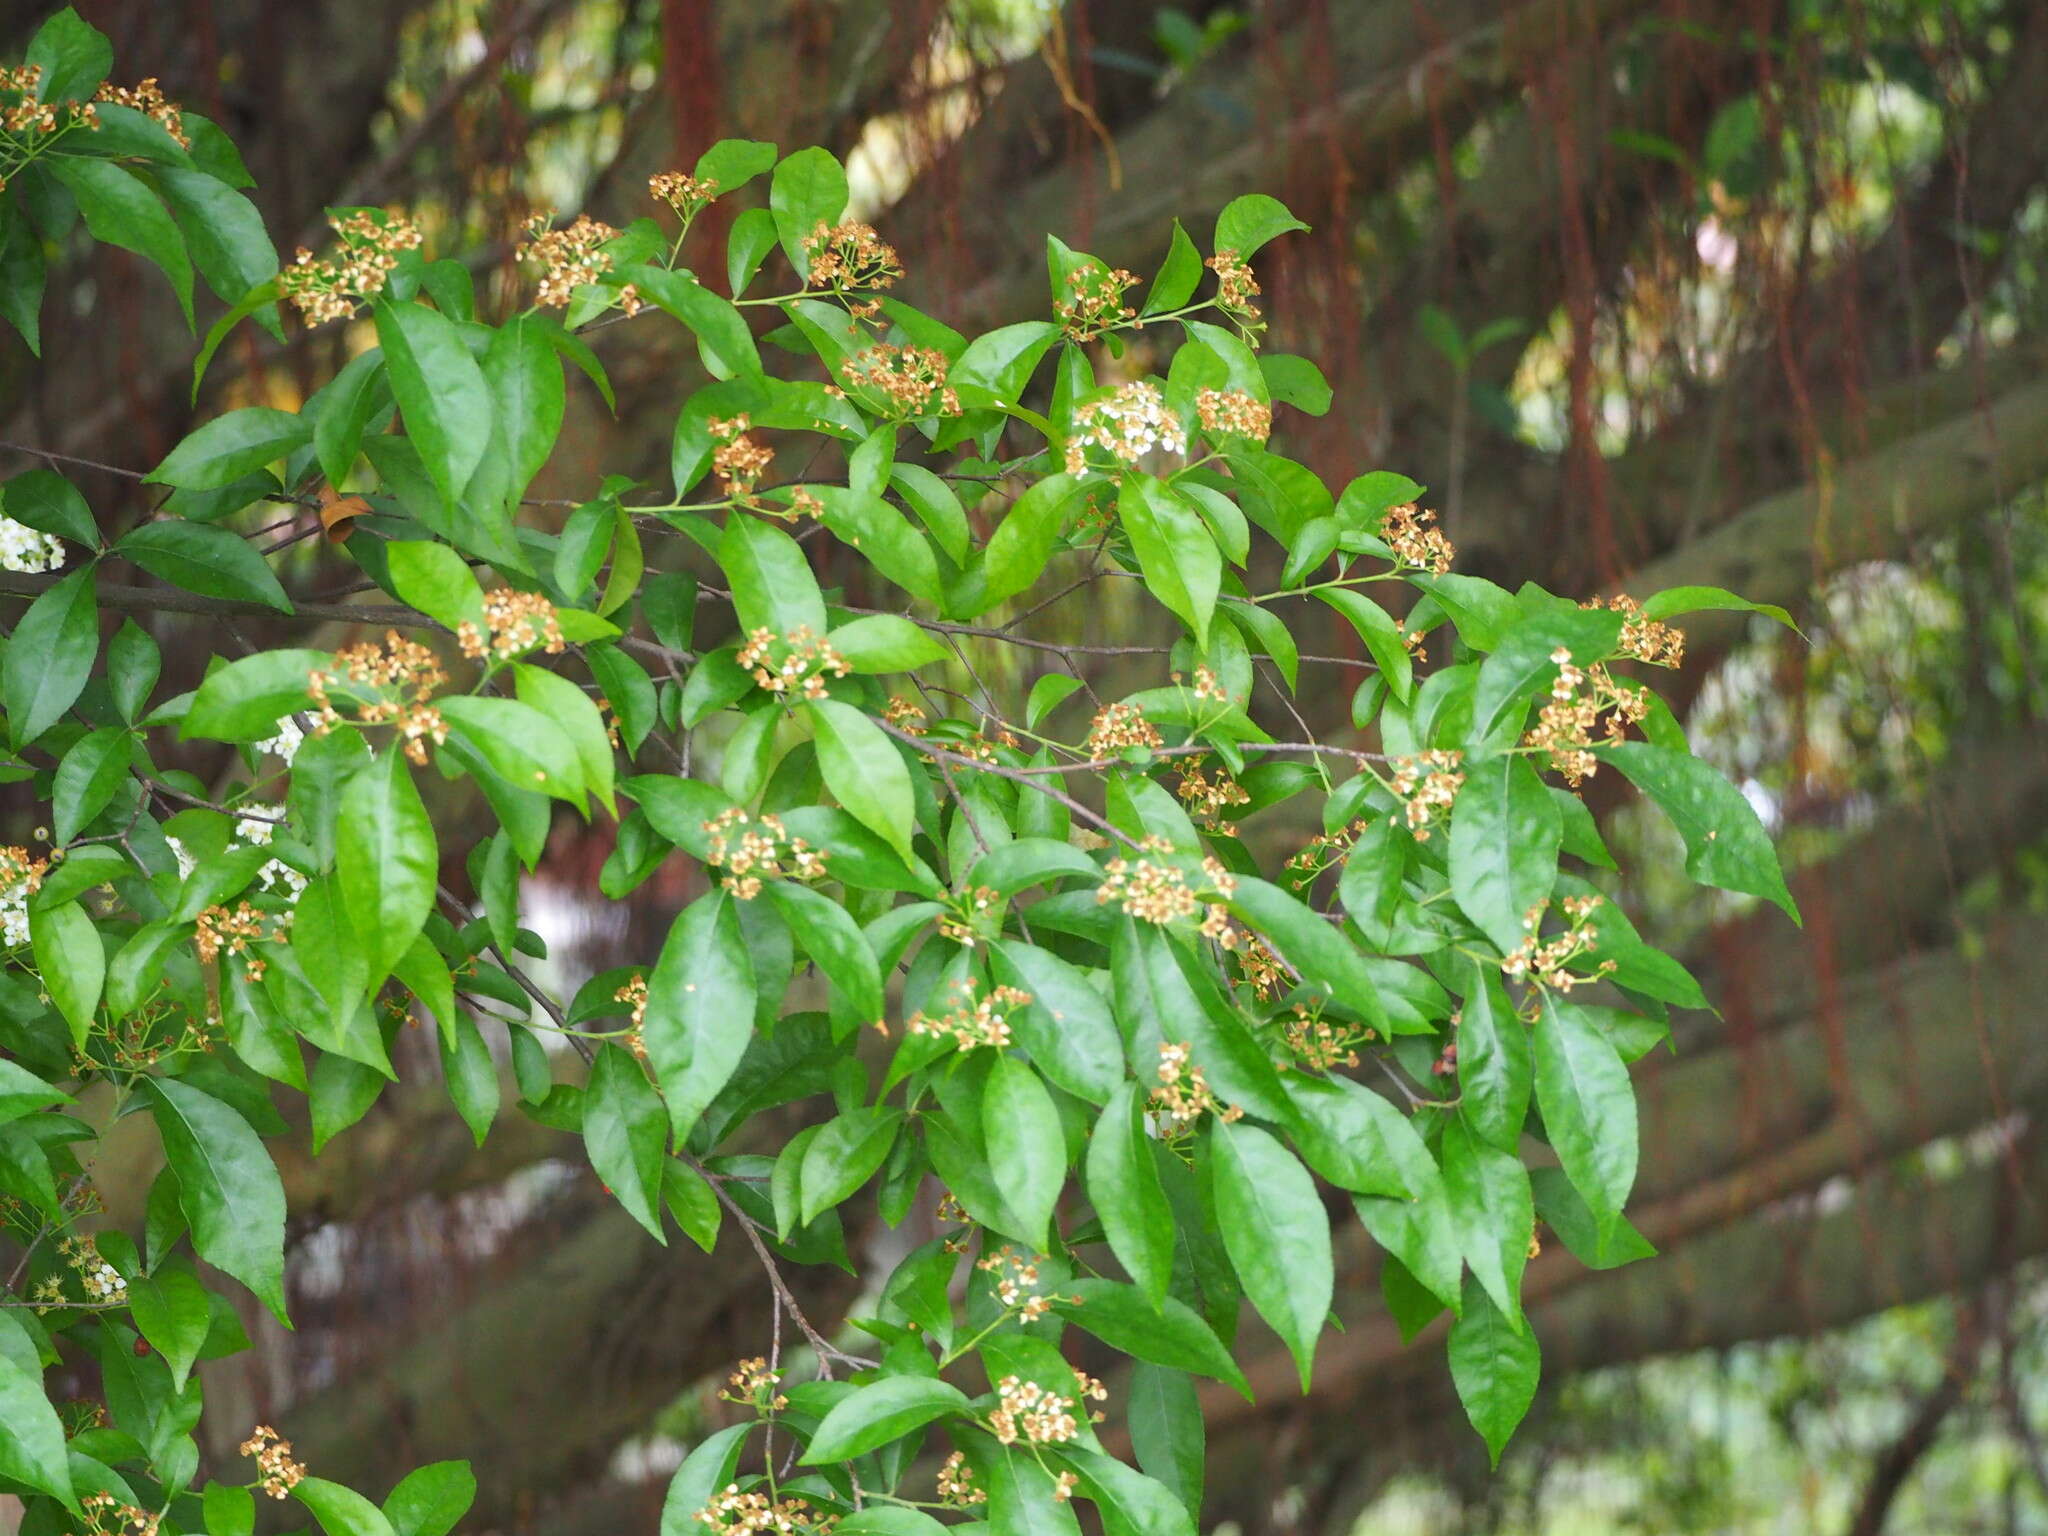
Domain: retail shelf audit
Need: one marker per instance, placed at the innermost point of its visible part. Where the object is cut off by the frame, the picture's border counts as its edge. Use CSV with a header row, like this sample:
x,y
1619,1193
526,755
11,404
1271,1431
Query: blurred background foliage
x,y
1752,292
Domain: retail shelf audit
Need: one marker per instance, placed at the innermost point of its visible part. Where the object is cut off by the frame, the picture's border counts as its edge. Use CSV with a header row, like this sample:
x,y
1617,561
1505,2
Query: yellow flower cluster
x,y
1542,961
754,1384
1427,784
1016,1283
971,1021
516,622
1208,799
970,913
1184,1095
1235,285
1160,893
749,847
737,459
1234,413
1407,533
848,256
329,288
1117,727
685,194
106,1515
217,931
1320,1045
402,667
807,660
1583,700
567,257
956,1486
1094,301
148,98
1031,1413
903,382
734,1513
25,117
634,992
278,1473
1643,638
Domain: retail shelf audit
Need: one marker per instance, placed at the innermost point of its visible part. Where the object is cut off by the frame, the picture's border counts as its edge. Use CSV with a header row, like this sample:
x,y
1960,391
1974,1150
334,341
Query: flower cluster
x,y
516,622
106,1515
1427,785
100,1281
400,666
286,742
1259,968
1208,800
807,660
20,878
685,194
1407,533
1235,285
973,1021
956,1486
1160,893
1129,422
970,915
568,258
848,256
907,381
750,847
236,933
26,116
1031,1413
147,97
737,459
1118,727
369,243
1583,700
276,1471
1016,1283
28,550
1184,1095
754,1384
1643,638
1094,301
634,995
1323,851
1542,961
1319,1044
906,715
734,1513
1234,413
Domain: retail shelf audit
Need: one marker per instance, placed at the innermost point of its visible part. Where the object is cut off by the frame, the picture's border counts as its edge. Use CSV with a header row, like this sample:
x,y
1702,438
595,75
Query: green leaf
x,y
1178,275
49,656
1491,1211
1176,552
843,1156
997,366
886,642
625,1130
44,499
1027,1152
825,931
1130,1503
723,340
809,189
1589,1107
1297,382
707,1469
1504,839
429,1500
1356,1139
22,275
1725,844
229,1511
90,772
244,700
204,558
1017,552
23,1093
872,1416
440,390
74,57
1382,636
173,1311
1494,1367
691,1203
1164,1414
223,231
1276,1234
1521,665
1494,1071
1067,1026
576,714
731,163
436,580
523,746
865,772
1328,962
72,961
32,1436
1047,693
1172,1335
700,1008
527,399
1674,601
1123,1185
386,861
1021,1495
227,1186
772,584
120,210
341,1511
1248,222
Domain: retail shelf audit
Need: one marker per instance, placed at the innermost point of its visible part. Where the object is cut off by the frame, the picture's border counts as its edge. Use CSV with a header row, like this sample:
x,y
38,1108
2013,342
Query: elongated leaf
x,y
227,1186
772,584
1248,222
1172,1335
1123,1186
49,656
72,961
120,210
1725,844
1494,1071
1589,1107
31,1435
441,392
865,772
430,1500
341,1511
843,1156
1276,1234
809,189
1026,1150
835,943
874,1415
1491,1211
700,1008
1505,833
707,1469
1521,666
1176,552
1494,1367
1017,551
204,558
386,861
625,1130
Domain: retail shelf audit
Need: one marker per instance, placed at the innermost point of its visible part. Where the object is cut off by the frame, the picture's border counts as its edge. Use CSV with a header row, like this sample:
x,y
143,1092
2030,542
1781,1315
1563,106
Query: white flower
x,y
276,871
14,917
22,548
285,743
254,832
186,863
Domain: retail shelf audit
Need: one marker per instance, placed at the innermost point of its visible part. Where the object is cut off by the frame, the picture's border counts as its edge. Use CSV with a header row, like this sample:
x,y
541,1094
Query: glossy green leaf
x,y
1491,1212
700,1008
72,961
90,772
119,209
827,933
1494,1366
772,584
1175,550
341,1511
441,392
31,1435
1589,1107
1123,1185
204,558
430,1500
1725,844
1494,1066
1504,839
1276,1234
864,771
49,656
386,859
227,1186
1026,1148
1171,1335
244,700
886,1410
1017,552
808,189
886,642
625,1131
844,1155
1248,222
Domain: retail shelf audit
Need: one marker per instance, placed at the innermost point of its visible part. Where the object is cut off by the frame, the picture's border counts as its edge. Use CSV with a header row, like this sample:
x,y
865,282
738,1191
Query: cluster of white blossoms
x,y
20,876
286,742
1130,422
250,832
27,549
